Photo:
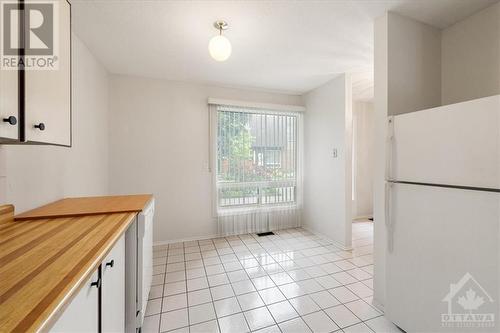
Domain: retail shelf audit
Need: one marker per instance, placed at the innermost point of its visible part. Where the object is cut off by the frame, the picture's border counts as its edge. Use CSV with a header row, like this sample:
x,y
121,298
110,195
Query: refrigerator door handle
x,y
389,148
388,219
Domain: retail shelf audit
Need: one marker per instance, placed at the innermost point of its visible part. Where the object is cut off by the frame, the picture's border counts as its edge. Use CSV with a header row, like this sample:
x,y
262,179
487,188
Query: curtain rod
x,y
268,106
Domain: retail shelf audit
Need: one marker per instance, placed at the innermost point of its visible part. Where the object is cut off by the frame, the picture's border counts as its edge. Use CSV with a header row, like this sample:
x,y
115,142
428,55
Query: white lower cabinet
x,y
85,309
82,314
113,289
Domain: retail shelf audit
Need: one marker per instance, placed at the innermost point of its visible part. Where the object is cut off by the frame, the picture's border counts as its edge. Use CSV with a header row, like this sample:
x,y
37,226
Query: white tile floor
x,y
291,282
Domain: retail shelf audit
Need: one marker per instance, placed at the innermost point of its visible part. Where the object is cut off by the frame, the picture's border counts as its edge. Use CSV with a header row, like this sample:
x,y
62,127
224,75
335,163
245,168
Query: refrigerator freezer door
x,y
445,244
456,144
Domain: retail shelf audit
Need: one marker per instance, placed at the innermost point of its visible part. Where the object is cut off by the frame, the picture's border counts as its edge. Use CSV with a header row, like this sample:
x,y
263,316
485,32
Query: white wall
x,y
413,62
363,157
471,57
407,79
380,122
159,144
327,180
414,71
34,175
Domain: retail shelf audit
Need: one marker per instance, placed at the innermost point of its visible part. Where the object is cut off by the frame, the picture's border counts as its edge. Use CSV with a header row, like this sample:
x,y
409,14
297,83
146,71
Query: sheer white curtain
x,y
257,159
259,220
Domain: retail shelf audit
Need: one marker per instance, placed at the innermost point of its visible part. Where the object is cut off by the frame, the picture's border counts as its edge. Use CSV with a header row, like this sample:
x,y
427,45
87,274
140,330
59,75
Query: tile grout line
x,y
266,248
299,316
237,300
210,293
162,291
187,299
275,286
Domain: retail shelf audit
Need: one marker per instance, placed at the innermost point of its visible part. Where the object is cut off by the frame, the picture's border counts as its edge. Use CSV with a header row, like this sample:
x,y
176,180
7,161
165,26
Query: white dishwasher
x,y
145,258
139,267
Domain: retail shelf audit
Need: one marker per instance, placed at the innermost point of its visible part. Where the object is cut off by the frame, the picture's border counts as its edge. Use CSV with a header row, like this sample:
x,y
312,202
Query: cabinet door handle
x,y
111,263
11,120
96,284
40,126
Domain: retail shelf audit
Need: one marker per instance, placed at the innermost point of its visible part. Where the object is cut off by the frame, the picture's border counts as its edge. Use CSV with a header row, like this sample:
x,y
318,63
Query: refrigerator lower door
x,y
444,266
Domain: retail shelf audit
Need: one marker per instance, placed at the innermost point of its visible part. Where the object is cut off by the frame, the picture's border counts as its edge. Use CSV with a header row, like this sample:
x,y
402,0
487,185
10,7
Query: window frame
x,y
260,203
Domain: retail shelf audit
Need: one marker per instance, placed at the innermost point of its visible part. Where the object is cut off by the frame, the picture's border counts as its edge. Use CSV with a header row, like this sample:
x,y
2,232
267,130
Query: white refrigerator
x,y
443,217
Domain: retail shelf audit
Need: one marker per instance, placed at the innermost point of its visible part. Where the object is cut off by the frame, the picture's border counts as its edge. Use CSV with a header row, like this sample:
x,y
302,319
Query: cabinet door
x,y
82,313
48,92
9,105
113,289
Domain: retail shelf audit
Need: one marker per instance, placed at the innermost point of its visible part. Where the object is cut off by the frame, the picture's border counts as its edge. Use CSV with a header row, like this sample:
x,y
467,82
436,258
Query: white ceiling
x,y
286,46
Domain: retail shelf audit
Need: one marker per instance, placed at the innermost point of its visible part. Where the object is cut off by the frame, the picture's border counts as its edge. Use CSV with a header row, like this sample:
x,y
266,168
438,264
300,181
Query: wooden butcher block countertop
x,y
88,206
45,261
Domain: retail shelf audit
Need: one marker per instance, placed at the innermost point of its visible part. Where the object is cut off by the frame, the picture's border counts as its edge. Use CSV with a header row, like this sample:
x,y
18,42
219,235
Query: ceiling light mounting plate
x,y
221,25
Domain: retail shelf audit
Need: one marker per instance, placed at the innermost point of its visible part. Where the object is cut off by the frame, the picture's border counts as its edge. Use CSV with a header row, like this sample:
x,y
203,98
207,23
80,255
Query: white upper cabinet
x,y
39,97
9,104
48,92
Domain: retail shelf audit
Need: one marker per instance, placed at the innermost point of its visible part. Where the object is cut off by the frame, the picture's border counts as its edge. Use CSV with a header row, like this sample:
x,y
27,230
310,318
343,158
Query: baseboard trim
x,y
378,305
362,217
336,243
198,238
187,239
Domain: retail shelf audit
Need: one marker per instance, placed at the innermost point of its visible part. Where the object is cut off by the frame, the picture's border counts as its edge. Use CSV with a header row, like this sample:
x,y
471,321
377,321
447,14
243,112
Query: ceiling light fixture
x,y
219,46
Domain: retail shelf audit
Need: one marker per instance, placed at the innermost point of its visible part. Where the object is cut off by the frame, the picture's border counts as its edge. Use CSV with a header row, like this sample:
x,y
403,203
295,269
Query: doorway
x,y
362,169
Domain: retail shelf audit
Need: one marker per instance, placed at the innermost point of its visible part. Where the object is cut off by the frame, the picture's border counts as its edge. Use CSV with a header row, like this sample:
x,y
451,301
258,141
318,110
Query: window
x,y
257,153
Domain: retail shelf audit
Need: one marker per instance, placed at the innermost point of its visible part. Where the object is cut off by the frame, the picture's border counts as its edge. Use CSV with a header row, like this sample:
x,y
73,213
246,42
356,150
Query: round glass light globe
x,y
220,48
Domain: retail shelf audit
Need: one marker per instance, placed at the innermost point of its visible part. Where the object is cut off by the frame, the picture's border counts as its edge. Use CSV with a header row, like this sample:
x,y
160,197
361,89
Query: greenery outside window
x,y
256,155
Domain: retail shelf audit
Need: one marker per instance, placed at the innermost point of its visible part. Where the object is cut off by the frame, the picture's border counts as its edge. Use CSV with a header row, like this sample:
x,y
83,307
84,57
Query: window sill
x,y
254,209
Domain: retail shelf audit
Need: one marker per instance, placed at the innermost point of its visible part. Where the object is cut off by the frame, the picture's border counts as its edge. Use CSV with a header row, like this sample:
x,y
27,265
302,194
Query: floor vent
x,y
269,233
